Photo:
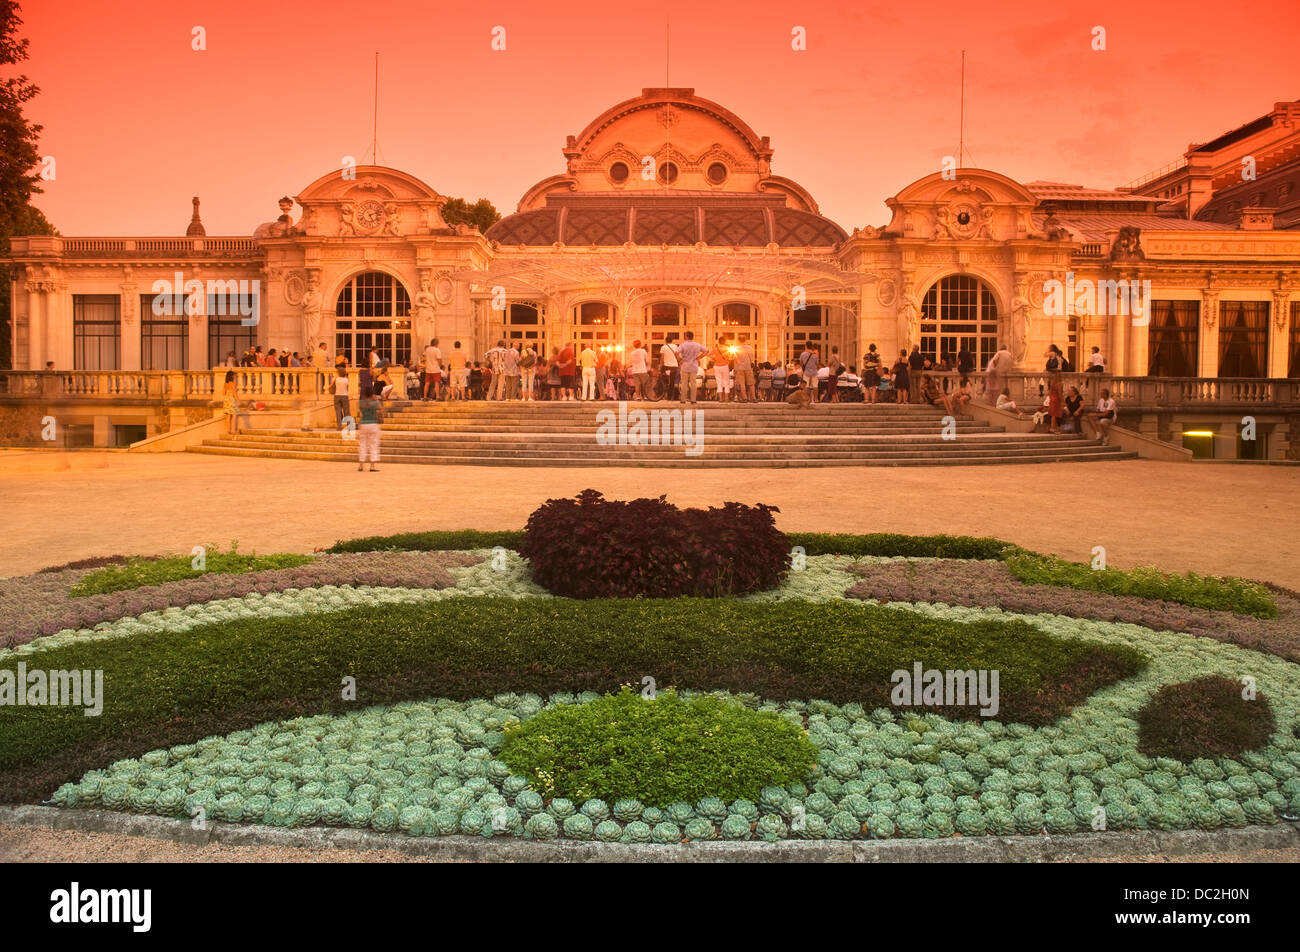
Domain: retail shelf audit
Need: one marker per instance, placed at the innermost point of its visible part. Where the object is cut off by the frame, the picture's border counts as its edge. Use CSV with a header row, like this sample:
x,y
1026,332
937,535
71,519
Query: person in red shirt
x,y
568,371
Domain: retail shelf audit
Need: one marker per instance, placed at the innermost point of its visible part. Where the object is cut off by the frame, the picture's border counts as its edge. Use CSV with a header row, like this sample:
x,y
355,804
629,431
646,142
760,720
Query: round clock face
x,y
370,215
965,219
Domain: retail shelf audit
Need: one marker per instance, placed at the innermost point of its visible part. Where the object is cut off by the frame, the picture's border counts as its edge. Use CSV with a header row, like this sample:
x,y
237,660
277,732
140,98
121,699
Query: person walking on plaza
x,y
339,387
588,360
458,363
902,382
527,371
669,364
689,354
638,371
915,368
230,403
743,375
368,430
809,364
432,370
321,358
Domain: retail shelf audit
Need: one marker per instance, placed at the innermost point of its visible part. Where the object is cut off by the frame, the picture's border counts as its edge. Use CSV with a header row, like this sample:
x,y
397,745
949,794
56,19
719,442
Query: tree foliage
x,y
481,215
19,176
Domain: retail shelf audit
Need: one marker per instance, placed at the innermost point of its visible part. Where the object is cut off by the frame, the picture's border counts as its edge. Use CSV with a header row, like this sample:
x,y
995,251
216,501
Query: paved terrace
x,y
1233,519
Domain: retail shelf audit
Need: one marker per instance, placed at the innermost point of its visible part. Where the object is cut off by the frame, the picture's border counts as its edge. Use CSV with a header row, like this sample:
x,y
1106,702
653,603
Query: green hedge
x,y
166,688
669,750
440,540
813,543
139,572
1198,591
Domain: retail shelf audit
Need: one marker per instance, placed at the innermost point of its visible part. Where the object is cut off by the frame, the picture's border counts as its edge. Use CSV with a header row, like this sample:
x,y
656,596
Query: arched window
x,y
522,314
807,325
373,310
594,321
959,309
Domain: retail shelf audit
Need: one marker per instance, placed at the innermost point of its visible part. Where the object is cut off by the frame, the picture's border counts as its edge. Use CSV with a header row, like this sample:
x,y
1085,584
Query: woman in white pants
x,y
371,414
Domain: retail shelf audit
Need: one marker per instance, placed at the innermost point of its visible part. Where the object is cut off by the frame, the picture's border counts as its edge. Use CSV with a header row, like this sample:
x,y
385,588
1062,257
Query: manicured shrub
x,y
662,751
139,572
1207,717
169,688
432,541
889,544
591,547
1199,591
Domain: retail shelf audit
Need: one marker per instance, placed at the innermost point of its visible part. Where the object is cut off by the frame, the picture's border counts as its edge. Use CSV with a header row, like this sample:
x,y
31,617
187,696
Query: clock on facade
x,y
370,215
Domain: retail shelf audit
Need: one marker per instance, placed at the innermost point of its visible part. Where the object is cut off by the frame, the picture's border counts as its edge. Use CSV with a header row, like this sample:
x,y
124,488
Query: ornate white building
x,y
667,217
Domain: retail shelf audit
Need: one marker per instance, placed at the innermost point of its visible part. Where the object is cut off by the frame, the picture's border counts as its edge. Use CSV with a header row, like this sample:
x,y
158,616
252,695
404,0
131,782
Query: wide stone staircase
x,y
662,435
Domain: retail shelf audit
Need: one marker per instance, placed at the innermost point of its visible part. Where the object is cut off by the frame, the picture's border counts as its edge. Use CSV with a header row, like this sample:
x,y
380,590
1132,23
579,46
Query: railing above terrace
x,y
142,247
262,383
1172,392
283,385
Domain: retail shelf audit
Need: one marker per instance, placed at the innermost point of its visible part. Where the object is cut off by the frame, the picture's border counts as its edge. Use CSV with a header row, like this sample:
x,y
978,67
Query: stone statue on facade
x,y
390,220
1020,323
422,306
311,307
347,219
908,319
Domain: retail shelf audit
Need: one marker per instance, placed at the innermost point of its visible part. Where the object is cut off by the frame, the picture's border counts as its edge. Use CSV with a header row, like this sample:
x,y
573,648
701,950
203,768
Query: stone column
x,y
129,332
1209,346
1279,338
35,325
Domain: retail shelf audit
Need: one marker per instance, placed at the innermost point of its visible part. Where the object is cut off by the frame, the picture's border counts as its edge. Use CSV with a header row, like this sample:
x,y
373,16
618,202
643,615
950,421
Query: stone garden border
x,y
980,849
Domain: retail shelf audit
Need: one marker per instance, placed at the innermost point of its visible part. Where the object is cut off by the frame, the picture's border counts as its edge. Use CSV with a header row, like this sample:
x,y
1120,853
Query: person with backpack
x,y
528,370
669,363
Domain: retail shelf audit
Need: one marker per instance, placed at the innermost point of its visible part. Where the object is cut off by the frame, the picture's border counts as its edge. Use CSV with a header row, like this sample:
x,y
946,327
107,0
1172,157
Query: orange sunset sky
x,y
138,121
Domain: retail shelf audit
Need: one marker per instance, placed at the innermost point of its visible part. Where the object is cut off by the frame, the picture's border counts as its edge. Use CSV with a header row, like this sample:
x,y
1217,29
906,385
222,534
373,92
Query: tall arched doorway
x,y
373,310
959,309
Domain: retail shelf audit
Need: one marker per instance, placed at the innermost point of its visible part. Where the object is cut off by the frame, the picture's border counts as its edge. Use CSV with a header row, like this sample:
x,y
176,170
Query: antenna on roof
x,y
961,122
374,140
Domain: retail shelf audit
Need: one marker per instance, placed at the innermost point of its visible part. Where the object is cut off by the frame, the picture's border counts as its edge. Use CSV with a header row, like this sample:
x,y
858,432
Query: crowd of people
x,y
683,371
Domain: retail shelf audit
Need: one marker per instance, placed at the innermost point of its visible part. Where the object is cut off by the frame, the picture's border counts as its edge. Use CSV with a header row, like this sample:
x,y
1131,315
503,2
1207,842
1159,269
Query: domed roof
x,y
667,218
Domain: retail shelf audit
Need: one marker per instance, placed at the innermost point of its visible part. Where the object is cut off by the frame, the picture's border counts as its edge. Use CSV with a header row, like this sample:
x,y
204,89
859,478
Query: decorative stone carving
x,y
1281,301
887,292
1210,309
348,219
1128,245
390,220
295,286
444,289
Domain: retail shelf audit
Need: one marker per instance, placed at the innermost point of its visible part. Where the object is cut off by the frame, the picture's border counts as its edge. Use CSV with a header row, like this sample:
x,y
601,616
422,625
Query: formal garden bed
x,y
431,684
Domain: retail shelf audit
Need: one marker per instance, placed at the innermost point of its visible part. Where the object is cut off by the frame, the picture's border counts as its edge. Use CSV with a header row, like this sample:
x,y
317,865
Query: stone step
x,y
580,441
681,461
